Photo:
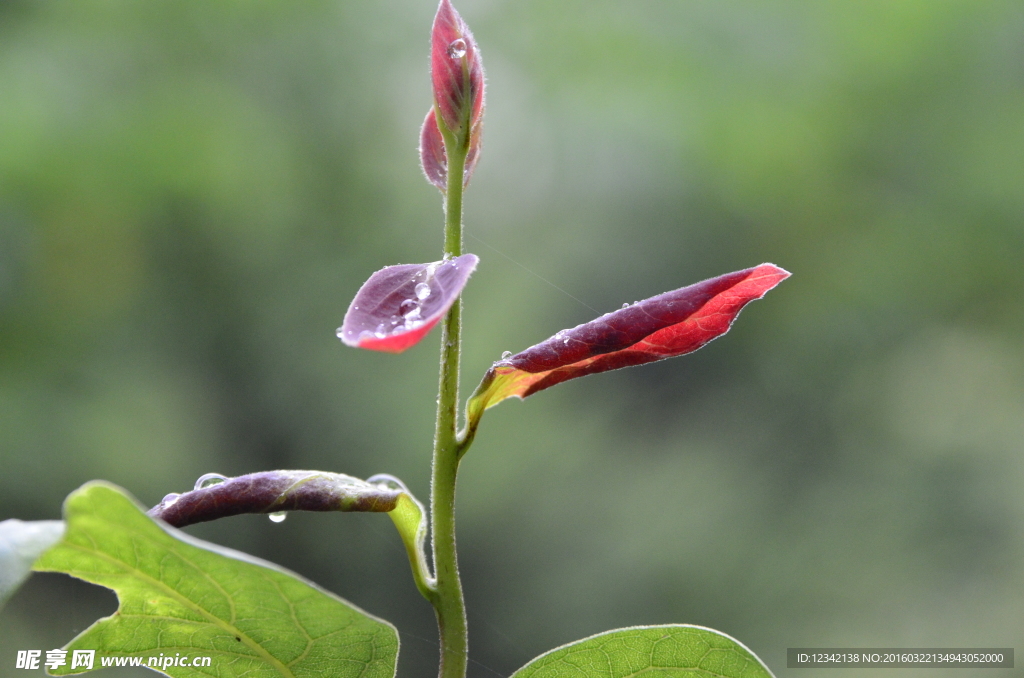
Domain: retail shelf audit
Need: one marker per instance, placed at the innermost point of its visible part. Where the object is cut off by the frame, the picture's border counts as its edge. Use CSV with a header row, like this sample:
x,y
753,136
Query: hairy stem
x,y
448,601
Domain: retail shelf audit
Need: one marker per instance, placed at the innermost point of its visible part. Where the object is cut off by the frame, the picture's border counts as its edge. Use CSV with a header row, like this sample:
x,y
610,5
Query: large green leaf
x,y
179,595
672,651
21,542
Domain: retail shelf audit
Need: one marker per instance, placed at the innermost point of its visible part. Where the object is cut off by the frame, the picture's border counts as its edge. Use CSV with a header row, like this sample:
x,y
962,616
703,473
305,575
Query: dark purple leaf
x,y
276,491
398,305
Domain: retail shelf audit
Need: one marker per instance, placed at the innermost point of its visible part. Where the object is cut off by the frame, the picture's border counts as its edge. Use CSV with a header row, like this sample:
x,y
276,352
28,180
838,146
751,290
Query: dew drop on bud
x,y
625,305
457,49
506,355
170,499
208,479
278,516
337,333
422,291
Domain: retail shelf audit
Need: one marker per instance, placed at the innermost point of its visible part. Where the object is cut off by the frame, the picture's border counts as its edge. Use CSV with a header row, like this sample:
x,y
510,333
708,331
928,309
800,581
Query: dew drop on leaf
x,y
408,306
170,499
457,49
278,516
422,291
208,479
625,305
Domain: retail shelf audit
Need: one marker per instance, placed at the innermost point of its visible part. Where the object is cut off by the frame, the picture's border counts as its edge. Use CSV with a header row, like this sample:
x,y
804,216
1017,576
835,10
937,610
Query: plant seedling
x,y
181,595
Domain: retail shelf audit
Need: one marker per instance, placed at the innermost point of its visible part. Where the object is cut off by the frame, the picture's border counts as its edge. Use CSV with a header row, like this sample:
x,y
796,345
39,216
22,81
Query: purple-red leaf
x,y
398,305
456,71
670,324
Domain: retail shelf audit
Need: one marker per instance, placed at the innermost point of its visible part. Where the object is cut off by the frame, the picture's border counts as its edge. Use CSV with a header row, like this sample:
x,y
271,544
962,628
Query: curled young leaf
x,y
668,325
456,71
398,305
275,492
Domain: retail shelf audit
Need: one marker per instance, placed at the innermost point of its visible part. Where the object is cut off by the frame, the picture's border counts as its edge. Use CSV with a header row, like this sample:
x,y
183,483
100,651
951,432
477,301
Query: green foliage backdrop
x,y
191,192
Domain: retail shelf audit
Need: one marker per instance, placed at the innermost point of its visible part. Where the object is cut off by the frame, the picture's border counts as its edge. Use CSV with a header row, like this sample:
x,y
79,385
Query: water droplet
x,y
408,306
565,341
208,479
625,305
506,355
355,308
457,49
170,499
381,331
278,516
422,291
388,481
337,333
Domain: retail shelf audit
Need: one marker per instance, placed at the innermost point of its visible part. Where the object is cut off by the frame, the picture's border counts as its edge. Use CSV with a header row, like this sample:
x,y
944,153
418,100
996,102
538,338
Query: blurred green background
x,y
192,191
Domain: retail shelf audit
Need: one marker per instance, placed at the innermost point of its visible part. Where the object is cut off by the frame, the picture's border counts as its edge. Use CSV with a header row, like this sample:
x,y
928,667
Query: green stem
x,y
447,599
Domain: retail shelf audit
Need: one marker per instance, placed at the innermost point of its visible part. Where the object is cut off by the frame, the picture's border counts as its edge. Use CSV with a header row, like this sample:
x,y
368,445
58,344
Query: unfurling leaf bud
x,y
432,156
457,74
